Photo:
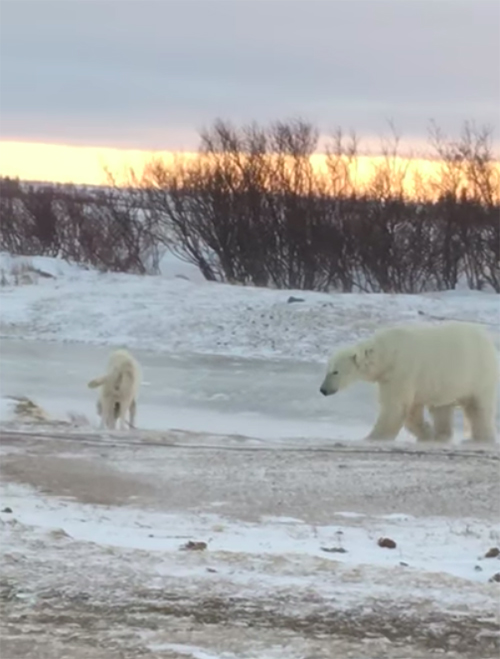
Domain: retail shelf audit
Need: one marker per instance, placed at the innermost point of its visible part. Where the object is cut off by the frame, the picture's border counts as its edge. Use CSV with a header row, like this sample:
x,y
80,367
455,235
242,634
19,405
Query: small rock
x,y
194,546
386,542
495,578
334,550
403,563
211,569
7,510
492,553
478,568
293,299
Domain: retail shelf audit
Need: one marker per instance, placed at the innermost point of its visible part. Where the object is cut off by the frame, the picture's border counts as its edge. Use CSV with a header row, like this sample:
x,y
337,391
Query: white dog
x,y
119,390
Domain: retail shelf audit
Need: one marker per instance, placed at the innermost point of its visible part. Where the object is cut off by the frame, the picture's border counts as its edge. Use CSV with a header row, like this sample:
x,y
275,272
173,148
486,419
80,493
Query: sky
x,y
149,74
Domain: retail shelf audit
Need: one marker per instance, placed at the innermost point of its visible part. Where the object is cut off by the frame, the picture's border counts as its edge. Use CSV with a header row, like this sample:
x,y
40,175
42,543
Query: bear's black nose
x,y
324,391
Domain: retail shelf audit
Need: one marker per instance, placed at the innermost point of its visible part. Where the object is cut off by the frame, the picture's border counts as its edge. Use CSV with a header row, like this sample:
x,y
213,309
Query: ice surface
x,y
268,400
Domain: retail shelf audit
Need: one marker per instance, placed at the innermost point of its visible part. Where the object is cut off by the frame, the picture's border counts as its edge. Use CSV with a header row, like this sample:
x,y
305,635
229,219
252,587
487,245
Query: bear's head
x,y
348,366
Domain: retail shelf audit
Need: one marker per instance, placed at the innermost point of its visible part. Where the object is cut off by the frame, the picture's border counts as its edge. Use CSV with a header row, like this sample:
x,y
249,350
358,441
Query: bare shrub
x,y
107,228
468,182
252,208
28,218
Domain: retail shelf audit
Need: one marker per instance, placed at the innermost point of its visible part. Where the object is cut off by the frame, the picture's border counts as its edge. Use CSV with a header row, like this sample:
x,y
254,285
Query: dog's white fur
x,y
119,388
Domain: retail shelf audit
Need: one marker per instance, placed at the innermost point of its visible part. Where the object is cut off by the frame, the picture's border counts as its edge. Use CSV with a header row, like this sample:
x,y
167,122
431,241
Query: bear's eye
x,y
335,373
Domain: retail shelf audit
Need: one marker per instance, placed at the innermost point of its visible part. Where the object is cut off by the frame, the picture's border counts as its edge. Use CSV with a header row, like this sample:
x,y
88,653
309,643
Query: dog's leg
x,y
109,414
100,413
132,412
121,414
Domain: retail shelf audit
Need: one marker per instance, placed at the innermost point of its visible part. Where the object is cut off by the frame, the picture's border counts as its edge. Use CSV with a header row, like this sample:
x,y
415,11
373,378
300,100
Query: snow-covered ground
x,y
175,315
236,449
455,548
94,527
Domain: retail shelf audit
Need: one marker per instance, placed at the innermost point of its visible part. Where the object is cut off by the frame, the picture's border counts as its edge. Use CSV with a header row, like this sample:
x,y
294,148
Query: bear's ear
x,y
355,359
368,352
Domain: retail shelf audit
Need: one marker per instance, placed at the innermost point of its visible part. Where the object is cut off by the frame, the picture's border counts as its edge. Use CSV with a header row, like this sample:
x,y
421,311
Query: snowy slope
x,y
182,313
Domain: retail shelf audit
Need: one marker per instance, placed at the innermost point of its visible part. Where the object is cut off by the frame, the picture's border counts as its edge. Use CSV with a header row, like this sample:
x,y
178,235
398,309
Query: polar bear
x,y
119,389
418,366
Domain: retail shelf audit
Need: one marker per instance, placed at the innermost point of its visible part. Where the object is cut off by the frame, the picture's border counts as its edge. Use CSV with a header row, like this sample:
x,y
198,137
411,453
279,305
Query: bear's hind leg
x,y
416,424
443,422
480,415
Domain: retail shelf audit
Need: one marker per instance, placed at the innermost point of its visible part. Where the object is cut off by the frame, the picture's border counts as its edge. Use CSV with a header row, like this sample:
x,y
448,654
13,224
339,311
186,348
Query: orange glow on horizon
x,y
60,163
86,165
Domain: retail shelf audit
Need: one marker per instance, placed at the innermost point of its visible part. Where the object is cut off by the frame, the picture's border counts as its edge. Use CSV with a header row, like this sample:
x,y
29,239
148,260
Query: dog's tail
x,y
96,382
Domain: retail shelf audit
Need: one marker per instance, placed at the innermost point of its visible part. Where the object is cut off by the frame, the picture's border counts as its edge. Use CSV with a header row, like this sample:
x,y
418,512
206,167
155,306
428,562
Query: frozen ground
x,y
237,450
292,568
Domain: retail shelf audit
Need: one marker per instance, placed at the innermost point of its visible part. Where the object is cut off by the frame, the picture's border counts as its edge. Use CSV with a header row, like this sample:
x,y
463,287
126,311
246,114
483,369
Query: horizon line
x,y
46,162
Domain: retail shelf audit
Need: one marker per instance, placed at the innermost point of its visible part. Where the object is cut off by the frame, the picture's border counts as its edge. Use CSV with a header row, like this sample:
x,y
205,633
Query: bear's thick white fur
x,y
119,389
418,366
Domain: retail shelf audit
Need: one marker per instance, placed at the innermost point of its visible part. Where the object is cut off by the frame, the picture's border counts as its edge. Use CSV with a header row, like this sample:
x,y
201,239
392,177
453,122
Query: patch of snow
x,y
195,652
191,651
431,545
44,265
172,267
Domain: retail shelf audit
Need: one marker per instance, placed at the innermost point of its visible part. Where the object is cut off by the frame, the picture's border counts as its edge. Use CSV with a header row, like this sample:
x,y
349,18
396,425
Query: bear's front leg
x,y
391,415
387,427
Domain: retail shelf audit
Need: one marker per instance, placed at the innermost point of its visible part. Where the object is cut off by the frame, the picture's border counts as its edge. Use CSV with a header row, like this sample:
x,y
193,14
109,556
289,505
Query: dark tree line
x,y
103,227
253,209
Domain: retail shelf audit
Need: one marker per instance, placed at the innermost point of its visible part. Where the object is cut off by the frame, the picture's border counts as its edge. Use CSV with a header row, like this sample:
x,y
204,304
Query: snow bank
x,y
40,266
181,312
172,267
